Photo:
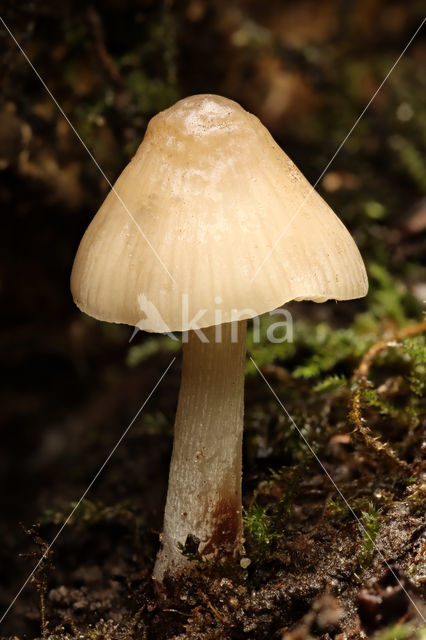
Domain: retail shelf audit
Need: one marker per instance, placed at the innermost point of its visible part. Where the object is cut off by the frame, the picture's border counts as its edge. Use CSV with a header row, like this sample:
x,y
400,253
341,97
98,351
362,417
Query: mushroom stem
x,y
204,495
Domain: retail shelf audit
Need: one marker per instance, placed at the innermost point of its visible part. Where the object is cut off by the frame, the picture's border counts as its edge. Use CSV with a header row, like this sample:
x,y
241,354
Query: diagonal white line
x,y
113,189
312,189
361,526
86,491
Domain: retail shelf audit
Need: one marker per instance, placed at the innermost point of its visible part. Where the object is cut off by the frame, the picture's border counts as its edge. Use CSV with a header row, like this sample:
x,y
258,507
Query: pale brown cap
x,y
209,198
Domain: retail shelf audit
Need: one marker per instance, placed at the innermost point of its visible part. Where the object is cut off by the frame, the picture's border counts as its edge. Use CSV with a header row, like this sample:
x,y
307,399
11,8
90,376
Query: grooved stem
x,y
204,494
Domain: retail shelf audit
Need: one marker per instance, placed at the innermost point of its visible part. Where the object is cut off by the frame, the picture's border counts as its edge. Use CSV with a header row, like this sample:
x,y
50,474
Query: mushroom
x,y
210,224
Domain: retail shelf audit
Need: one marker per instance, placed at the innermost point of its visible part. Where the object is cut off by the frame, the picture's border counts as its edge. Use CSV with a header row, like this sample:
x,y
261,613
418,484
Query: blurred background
x,y
70,385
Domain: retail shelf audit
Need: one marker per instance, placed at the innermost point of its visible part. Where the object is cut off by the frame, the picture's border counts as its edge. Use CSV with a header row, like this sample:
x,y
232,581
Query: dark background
x,y
306,69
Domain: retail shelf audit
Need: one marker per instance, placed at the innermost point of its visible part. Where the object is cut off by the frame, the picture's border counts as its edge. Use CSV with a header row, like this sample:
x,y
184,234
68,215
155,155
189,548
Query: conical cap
x,y
209,220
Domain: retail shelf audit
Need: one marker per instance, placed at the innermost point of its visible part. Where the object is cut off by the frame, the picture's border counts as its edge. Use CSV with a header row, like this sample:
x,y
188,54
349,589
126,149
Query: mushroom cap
x,y
207,196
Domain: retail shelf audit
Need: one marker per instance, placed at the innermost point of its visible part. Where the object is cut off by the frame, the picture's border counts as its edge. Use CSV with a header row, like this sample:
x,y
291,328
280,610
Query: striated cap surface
x,y
206,197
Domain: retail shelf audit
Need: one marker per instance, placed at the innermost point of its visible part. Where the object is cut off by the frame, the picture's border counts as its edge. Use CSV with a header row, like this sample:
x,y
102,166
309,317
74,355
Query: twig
x,y
101,50
367,360
361,382
40,577
209,604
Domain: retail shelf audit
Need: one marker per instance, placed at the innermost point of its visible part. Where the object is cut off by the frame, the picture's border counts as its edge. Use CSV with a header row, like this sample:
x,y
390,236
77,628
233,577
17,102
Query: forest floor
x,y
325,560
319,562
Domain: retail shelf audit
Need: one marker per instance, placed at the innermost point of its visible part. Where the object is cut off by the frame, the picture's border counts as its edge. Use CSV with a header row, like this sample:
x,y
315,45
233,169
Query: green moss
x,y
411,160
331,383
139,353
337,506
389,297
370,520
259,525
88,513
401,631
150,95
415,348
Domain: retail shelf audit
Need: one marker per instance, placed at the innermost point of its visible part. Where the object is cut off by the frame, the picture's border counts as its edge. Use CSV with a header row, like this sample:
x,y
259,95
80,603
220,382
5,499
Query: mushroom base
x,y
203,507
